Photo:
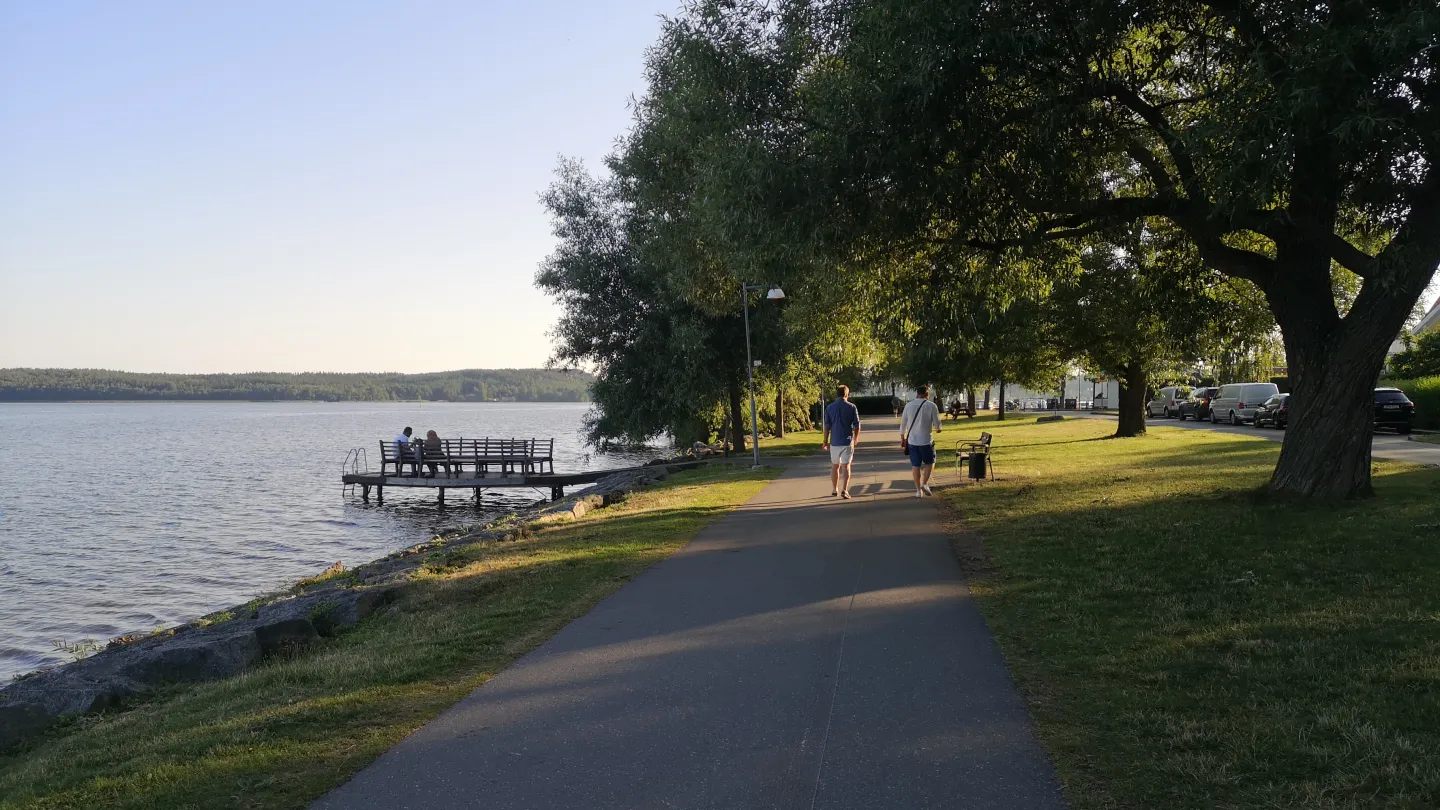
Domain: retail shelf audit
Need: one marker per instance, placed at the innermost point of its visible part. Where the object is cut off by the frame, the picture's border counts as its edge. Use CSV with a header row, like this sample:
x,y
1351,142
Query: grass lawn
x,y
283,734
1186,642
796,443
1432,438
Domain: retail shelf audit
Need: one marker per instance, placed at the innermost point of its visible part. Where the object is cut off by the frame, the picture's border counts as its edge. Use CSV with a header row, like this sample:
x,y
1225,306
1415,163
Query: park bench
x,y
389,455
526,456
965,449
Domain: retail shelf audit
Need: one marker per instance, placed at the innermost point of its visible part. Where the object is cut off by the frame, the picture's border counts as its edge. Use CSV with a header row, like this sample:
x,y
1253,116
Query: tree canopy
x,y
864,154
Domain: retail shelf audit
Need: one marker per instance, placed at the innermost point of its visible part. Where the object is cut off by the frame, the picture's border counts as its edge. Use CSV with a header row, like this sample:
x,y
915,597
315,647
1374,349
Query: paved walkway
x,y
1390,446
803,652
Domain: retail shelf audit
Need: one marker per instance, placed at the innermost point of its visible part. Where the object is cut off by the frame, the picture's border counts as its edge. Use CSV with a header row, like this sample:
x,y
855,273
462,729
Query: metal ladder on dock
x,y
356,463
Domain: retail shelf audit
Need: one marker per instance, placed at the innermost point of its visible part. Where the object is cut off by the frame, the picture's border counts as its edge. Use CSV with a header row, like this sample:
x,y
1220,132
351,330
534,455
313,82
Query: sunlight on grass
x,y
1188,642
284,733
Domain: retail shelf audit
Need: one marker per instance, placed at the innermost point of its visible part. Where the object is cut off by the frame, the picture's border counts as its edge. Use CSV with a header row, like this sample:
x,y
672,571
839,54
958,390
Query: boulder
x,y
20,721
196,656
285,634
329,611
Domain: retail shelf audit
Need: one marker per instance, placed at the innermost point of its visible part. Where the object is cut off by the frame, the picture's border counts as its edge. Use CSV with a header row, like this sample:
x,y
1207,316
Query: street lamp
x,y
773,294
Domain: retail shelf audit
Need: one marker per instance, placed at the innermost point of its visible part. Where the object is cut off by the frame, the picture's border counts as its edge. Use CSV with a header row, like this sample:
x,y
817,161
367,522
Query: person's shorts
x,y
842,453
922,454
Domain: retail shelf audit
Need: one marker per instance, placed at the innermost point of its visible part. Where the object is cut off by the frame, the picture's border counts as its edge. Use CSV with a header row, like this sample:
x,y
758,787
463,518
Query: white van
x,y
1167,402
1236,403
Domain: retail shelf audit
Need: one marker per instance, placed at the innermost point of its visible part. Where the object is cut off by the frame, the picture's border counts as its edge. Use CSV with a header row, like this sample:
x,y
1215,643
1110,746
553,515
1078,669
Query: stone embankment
x,y
226,643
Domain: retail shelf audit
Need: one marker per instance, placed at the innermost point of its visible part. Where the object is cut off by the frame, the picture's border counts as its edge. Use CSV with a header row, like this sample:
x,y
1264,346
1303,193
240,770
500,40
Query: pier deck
x,y
555,482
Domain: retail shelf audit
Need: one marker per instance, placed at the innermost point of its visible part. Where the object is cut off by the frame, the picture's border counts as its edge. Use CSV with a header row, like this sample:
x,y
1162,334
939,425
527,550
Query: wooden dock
x,y
555,482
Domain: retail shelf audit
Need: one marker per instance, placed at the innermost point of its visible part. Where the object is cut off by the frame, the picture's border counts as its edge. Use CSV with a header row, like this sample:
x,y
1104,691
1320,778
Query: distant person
x,y
403,447
433,450
920,417
842,432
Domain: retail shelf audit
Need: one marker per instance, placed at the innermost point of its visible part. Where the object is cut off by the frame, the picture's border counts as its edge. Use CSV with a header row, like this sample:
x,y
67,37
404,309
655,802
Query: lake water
x,y
118,517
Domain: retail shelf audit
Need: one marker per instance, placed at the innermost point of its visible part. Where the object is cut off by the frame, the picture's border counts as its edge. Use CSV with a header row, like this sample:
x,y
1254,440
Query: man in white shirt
x,y
919,418
403,449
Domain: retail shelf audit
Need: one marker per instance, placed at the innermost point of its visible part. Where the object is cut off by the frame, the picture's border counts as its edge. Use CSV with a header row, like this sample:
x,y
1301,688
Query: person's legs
x,y
927,466
845,480
834,479
916,461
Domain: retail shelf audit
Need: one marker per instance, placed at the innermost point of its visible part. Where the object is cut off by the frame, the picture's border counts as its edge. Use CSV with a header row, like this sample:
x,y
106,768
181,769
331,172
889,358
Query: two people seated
x,y
409,448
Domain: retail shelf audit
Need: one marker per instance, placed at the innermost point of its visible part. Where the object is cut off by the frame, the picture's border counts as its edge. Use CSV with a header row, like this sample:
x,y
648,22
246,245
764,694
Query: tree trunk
x,y
779,412
970,402
1133,382
737,415
1001,416
1334,363
987,399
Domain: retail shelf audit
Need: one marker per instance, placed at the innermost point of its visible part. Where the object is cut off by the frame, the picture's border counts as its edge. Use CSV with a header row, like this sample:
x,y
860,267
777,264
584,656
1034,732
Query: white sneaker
x,y
918,494
926,490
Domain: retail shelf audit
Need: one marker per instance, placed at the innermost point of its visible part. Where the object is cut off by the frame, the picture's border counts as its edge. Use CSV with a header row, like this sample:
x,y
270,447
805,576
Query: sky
x,y
339,186
282,186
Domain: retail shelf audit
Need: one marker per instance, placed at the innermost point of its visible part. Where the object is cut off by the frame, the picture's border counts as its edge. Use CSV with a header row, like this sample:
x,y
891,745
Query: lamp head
x,y
775,294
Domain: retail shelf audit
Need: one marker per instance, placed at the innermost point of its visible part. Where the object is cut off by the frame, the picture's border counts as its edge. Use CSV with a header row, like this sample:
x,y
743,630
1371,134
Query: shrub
x,y
1425,393
1421,357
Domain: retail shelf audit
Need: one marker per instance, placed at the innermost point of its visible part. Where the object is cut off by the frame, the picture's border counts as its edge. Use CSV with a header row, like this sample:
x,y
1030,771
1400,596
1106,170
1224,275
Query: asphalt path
x,y
1384,445
803,652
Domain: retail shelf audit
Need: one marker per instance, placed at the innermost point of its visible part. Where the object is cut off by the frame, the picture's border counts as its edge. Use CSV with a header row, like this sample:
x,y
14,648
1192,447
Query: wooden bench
x,y
965,449
525,456
389,455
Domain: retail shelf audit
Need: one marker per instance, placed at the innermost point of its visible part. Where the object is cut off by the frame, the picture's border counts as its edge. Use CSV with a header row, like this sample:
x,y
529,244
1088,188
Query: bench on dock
x,y
526,456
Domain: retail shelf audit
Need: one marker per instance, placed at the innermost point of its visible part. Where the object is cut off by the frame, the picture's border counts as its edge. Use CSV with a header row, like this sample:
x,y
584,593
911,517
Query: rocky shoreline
x,y
226,643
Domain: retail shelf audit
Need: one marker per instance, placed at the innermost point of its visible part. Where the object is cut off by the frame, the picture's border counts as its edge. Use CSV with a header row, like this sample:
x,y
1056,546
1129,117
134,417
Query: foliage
x,y
1292,145
469,385
1420,358
1425,393
660,360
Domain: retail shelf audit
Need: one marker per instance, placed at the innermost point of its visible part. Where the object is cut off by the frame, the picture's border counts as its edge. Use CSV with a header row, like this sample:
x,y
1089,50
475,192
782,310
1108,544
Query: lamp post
x,y
774,294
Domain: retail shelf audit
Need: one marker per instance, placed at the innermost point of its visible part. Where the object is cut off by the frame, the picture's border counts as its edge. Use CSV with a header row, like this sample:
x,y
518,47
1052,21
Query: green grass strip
x,y
1187,642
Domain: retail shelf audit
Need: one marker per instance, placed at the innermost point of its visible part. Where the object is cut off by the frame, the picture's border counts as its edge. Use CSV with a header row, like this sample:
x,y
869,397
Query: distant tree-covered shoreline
x,y
467,385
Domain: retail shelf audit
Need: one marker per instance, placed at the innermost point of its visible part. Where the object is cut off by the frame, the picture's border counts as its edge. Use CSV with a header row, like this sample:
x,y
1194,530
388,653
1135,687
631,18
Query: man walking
x,y
920,417
842,431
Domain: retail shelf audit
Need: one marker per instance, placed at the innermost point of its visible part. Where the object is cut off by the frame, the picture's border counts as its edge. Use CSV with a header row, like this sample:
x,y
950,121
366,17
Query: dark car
x,y
1393,410
1274,412
1197,405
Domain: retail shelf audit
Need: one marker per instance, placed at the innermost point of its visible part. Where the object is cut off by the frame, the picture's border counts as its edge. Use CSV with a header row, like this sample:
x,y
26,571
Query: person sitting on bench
x,y
433,450
404,450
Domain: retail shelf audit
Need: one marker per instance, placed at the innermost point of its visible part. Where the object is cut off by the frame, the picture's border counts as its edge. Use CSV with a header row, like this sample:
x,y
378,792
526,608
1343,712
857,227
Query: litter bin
x,y
1052,404
1069,404
977,464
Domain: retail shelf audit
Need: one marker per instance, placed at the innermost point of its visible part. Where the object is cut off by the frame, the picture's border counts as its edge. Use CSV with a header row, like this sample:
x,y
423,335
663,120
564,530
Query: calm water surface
x,y
129,516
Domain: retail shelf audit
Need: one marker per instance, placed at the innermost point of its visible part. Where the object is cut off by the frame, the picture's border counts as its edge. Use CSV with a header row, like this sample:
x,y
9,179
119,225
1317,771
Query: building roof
x,y
1431,319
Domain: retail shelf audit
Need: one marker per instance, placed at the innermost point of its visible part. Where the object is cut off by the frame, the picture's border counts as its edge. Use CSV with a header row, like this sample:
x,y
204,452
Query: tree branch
x,y
1153,117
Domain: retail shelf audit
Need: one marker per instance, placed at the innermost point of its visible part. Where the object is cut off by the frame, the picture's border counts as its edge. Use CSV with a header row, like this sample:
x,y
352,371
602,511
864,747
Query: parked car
x,y
1236,403
1274,412
1393,410
1166,402
1197,406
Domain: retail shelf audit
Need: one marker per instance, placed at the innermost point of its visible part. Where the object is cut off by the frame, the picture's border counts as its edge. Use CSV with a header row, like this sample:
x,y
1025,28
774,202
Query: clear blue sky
x,y
197,186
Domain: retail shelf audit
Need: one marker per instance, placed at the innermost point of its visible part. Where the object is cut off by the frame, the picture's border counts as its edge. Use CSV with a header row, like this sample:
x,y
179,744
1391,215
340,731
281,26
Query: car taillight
x,y
1284,409
1240,404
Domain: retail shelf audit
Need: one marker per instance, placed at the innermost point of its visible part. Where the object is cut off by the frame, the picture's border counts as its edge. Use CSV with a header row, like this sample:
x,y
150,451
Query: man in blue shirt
x,y
842,432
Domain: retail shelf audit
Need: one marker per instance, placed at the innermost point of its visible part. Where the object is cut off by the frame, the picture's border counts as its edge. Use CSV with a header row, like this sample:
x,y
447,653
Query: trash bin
x,y
1052,404
977,464
1070,404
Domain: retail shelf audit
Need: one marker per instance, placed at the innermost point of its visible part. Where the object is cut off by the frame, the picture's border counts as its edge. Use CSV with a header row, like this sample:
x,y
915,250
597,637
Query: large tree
x,y
1285,139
